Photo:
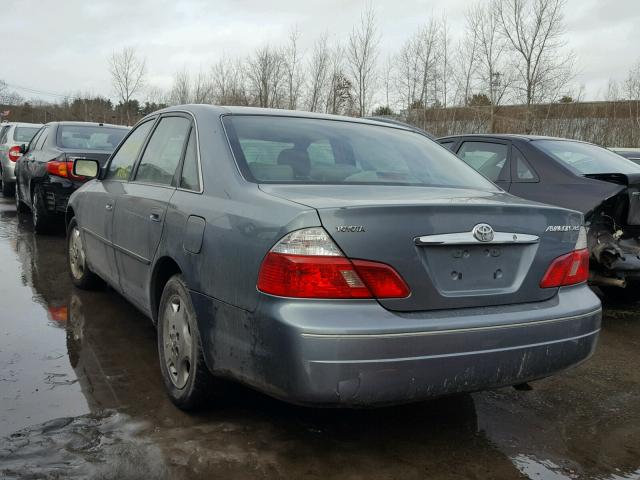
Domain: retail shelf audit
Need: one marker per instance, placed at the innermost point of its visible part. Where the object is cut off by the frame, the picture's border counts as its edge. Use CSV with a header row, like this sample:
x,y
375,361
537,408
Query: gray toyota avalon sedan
x,y
328,260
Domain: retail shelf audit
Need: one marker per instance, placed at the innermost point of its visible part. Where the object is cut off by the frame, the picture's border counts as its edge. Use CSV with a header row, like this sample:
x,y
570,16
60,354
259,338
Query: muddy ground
x,y
81,397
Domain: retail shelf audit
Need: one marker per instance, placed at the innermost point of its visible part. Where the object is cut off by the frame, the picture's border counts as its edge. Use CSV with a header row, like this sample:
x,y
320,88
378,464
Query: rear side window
x,y
122,162
24,134
523,171
164,151
448,144
487,158
3,134
190,178
272,149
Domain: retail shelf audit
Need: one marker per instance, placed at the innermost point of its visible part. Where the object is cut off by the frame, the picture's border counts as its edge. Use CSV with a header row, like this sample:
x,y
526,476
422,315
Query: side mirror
x,y
23,148
83,167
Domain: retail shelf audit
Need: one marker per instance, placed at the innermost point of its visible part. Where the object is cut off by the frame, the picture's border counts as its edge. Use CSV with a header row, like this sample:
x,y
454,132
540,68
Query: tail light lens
x,y
62,167
568,269
308,264
14,153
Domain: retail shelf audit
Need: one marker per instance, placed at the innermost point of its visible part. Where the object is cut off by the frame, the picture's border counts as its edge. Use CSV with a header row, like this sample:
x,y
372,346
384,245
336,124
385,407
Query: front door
x,y
97,215
141,208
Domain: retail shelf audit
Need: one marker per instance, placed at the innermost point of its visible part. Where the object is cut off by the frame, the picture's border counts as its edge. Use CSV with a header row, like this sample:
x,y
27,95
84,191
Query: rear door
x,y
490,158
99,202
141,206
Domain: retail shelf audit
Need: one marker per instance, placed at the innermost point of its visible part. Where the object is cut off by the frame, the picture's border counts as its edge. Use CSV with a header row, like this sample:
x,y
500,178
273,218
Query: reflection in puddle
x,y
543,469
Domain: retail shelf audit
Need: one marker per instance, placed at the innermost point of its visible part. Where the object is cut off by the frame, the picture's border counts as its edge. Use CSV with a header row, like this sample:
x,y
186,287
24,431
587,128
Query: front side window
x,y
272,149
90,137
161,157
487,158
24,134
122,162
584,158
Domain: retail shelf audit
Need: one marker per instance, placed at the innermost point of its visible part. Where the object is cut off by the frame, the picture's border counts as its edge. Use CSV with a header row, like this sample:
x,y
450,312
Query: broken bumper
x,y
355,353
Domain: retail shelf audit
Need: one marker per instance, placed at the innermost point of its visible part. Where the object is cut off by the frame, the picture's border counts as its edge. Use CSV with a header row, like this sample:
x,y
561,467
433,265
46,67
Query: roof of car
x,y
236,110
510,136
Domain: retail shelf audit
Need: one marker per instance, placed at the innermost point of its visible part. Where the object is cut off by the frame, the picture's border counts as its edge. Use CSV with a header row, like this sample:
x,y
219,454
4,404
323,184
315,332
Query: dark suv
x,y
44,178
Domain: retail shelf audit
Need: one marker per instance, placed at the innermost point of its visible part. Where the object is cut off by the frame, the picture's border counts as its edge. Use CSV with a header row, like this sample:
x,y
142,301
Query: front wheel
x,y
186,377
81,274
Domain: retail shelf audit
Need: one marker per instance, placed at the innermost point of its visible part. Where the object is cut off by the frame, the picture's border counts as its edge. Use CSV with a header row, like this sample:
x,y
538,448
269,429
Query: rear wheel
x,y
626,295
81,274
41,218
186,377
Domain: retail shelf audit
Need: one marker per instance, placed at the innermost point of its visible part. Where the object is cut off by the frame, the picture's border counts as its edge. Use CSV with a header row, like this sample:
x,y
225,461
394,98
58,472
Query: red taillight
x,y
14,153
62,168
568,269
309,276
59,168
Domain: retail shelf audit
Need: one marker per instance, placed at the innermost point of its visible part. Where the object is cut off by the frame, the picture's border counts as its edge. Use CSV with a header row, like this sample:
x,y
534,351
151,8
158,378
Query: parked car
x,y
572,174
44,178
328,260
12,135
632,154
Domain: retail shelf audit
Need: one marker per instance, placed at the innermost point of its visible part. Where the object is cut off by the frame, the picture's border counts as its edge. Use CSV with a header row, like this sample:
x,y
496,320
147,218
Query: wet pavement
x,y
81,397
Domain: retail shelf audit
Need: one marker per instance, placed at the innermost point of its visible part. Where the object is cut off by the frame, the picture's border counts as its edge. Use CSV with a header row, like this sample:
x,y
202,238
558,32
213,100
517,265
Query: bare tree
x,y
228,82
362,54
408,76
466,60
181,88
317,73
292,65
535,31
201,88
128,73
266,75
495,70
339,94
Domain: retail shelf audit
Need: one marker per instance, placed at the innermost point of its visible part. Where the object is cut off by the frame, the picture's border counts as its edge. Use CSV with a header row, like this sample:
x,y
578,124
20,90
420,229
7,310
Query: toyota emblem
x,y
483,232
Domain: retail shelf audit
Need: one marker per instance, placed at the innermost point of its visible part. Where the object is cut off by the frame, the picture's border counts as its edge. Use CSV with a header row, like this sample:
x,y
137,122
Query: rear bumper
x,y
56,193
359,354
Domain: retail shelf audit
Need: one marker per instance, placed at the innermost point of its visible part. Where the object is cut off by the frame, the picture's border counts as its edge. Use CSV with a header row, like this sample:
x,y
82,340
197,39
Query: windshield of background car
x,y
272,149
585,158
24,134
83,137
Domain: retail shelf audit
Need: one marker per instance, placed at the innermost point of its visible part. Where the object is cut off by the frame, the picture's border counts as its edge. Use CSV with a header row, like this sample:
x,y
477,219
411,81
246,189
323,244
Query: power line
x,y
40,92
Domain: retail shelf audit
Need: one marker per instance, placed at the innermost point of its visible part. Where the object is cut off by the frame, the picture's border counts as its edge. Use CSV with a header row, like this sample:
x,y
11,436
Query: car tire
x,y
39,215
20,206
627,295
79,271
188,381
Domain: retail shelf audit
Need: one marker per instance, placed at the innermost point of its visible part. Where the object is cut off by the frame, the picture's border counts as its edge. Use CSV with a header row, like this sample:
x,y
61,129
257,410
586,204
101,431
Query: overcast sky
x,y
62,46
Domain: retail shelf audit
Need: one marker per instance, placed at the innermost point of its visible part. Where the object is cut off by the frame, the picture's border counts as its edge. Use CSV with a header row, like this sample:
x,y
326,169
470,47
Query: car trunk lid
x,y
426,235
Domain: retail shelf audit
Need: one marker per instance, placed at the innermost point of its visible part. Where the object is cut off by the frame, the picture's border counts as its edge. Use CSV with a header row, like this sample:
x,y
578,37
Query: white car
x,y
12,135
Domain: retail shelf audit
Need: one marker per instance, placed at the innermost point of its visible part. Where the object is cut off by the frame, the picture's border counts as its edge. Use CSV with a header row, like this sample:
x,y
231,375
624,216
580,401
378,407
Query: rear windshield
x,y
89,137
300,150
584,158
24,134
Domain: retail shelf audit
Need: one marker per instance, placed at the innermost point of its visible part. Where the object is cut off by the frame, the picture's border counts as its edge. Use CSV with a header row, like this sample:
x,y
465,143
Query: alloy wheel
x,y
76,254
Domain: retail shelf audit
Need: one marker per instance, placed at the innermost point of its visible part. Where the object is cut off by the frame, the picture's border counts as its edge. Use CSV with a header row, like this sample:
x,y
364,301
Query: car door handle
x,y
155,217
109,207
